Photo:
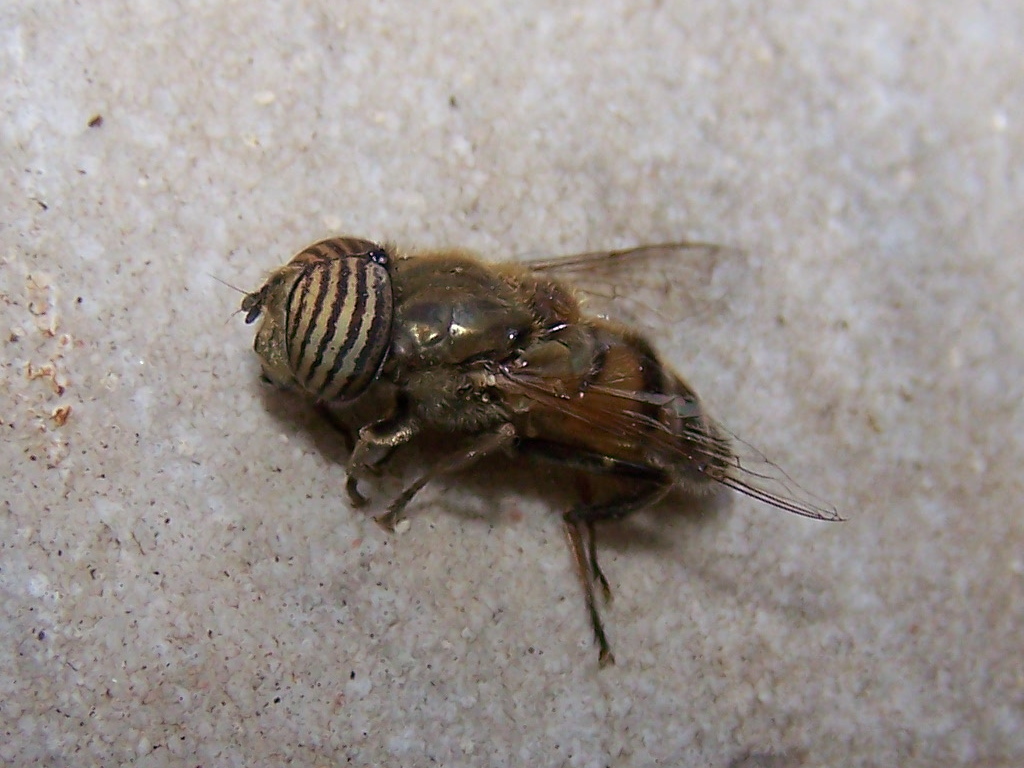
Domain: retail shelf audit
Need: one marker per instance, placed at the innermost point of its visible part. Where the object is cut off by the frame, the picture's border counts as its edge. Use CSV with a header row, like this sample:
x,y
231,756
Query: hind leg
x,y
579,530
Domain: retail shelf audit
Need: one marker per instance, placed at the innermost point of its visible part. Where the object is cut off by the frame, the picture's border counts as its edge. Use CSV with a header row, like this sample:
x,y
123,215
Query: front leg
x,y
387,434
483,445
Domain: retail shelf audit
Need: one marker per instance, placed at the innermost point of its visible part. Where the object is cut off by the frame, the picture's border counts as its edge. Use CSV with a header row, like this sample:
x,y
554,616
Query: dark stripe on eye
x,y
375,338
339,302
315,313
335,247
296,308
357,317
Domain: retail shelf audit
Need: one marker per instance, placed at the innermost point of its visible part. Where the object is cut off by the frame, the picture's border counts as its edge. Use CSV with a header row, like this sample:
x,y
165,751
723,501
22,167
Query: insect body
x,y
502,357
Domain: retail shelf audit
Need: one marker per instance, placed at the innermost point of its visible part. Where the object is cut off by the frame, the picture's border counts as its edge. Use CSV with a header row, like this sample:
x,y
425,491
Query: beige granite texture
x,y
182,579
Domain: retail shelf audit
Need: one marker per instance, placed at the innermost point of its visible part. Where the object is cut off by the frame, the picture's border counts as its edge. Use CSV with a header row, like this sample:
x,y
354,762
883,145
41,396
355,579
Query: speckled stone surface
x,y
182,580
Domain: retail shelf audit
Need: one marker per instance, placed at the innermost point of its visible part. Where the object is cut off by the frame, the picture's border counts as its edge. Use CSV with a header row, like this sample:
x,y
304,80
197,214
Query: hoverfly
x,y
500,357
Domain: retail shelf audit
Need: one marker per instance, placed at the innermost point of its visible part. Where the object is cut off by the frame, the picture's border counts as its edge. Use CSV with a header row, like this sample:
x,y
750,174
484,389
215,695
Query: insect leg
x,y
592,463
574,536
587,497
484,445
595,569
584,553
388,434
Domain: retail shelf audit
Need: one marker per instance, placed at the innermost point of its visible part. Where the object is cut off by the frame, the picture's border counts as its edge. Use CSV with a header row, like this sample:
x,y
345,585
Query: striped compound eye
x,y
326,318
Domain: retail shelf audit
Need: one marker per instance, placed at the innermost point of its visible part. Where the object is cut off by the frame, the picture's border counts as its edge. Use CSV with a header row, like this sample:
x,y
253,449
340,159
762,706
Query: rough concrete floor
x,y
181,577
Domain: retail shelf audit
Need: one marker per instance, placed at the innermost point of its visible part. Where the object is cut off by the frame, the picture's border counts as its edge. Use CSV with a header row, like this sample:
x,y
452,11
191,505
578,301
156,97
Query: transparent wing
x,y
753,474
699,445
588,260
655,285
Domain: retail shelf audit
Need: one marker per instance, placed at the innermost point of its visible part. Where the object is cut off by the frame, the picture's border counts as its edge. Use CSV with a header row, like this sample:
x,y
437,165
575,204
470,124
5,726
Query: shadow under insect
x,y
488,488
497,484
